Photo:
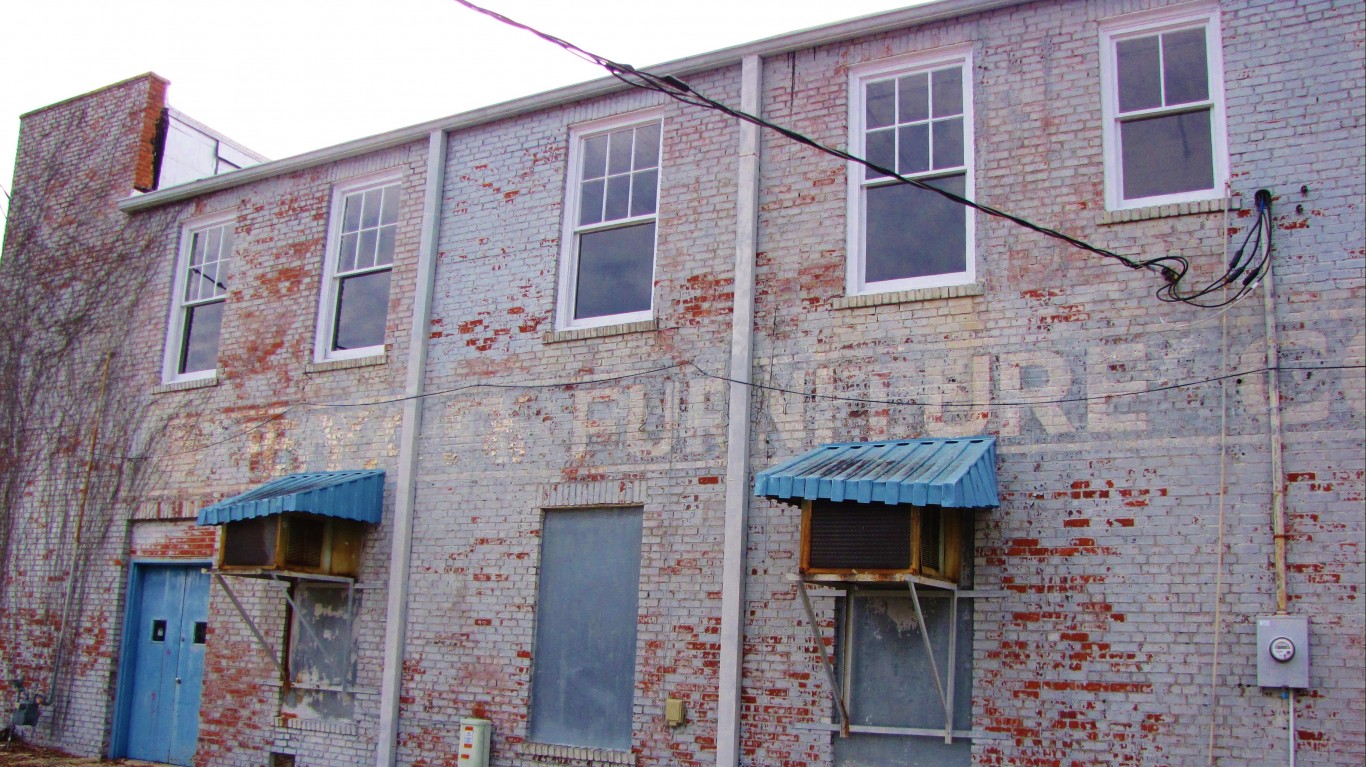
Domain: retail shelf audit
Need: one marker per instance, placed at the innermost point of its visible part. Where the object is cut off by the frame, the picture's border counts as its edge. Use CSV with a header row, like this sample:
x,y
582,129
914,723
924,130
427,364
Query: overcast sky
x,y
288,76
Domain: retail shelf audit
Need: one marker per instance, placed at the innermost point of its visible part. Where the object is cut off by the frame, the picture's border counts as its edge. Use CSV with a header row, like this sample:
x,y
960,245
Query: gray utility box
x,y
1283,651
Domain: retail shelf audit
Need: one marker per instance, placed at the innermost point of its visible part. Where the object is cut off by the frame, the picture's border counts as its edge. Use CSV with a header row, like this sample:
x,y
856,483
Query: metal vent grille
x,y
304,546
931,540
250,542
856,536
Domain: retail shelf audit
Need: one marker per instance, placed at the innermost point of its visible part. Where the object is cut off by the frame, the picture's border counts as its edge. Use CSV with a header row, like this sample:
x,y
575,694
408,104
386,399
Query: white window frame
x,y
1145,24
175,323
570,229
859,77
331,280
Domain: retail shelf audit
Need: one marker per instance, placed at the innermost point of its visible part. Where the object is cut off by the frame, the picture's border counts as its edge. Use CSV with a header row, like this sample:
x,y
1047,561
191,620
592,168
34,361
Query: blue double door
x,y
169,629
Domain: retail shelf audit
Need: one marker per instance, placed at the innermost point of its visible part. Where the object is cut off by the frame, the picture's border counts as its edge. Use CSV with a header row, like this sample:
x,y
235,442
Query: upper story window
x,y
612,200
354,309
912,115
1162,86
201,288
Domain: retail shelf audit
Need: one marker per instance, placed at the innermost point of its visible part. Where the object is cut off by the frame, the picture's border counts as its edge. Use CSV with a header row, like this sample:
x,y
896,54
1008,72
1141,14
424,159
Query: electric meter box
x,y
474,742
1283,651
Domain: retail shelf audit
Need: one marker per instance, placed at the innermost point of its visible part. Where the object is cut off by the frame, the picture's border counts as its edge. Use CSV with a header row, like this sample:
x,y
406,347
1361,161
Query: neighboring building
x,y
552,381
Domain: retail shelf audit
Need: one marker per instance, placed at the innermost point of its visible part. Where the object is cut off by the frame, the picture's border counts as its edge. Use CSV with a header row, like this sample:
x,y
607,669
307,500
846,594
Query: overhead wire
x,y
1174,268
570,384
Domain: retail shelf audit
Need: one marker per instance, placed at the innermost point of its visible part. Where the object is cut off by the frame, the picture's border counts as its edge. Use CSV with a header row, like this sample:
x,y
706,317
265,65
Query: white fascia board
x,y
771,46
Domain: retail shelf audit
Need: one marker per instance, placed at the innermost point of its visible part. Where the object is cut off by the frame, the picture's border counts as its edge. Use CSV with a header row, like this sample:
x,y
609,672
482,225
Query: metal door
x,y
169,629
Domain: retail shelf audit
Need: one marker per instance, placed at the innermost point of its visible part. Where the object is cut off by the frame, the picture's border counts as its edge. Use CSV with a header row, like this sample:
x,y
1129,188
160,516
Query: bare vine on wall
x,y
76,423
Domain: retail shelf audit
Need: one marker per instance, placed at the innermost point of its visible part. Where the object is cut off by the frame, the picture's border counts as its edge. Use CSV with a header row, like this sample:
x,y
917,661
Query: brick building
x,y
519,415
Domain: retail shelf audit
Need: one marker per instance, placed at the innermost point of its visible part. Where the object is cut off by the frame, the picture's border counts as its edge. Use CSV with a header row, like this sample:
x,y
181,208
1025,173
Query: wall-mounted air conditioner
x,y
871,541
292,542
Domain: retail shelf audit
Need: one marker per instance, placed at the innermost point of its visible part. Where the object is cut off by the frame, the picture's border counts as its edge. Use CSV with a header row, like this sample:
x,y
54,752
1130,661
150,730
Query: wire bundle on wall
x,y
1173,268
1245,268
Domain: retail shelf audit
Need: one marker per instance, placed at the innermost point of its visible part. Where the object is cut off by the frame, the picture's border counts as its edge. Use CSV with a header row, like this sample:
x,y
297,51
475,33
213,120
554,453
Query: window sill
x,y
316,725
347,364
198,383
576,334
1170,210
580,754
907,296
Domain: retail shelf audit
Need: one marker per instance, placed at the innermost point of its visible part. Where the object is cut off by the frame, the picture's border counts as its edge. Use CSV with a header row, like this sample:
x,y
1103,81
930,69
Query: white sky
x,y
287,76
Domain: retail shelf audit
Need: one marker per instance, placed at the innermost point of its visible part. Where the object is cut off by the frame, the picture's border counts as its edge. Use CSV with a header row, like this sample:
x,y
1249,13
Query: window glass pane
x,y
370,211
616,271
199,284
892,682
595,157
389,209
948,143
879,147
197,249
584,662
915,148
647,146
1185,72
619,152
351,213
1140,85
590,203
365,251
385,253
948,92
913,232
211,283
618,197
199,347
1167,154
346,260
879,106
915,97
322,652
643,191
213,240
362,308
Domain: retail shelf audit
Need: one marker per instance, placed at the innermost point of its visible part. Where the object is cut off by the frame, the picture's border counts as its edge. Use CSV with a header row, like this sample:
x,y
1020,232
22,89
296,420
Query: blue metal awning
x,y
357,495
954,473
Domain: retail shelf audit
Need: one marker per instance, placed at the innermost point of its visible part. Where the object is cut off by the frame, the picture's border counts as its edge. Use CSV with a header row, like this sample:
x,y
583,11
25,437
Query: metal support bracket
x,y
835,689
260,639
293,606
934,665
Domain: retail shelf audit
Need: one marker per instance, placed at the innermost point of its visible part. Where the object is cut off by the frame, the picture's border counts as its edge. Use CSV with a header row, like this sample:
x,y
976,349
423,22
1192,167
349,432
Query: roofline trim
x,y
770,46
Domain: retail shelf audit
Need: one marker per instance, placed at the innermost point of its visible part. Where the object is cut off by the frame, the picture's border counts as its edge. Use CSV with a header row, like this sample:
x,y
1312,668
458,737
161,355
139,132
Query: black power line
x,y
1173,268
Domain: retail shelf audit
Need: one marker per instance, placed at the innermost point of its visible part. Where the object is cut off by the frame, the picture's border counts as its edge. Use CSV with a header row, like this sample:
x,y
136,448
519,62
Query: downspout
x,y
405,495
738,427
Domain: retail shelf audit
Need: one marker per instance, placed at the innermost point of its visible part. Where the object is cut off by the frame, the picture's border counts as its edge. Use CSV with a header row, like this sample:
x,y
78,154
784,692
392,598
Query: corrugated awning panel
x,y
357,495
954,473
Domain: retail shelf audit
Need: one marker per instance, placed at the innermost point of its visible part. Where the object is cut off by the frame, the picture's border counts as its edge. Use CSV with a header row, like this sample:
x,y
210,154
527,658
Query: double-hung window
x,y
1162,91
354,309
201,289
612,201
911,115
